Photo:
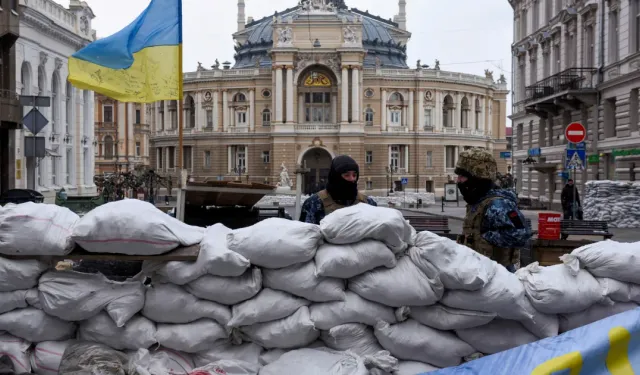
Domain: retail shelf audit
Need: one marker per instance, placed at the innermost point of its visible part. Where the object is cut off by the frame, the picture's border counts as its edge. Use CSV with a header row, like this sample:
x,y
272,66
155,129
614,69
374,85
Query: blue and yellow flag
x,y
140,63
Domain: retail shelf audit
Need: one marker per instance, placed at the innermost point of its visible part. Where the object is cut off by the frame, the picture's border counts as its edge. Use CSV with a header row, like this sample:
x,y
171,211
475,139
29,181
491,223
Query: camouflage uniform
x,y
493,225
315,208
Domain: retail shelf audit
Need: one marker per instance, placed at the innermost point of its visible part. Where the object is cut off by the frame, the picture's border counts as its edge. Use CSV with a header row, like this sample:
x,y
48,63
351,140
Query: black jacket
x,y
567,195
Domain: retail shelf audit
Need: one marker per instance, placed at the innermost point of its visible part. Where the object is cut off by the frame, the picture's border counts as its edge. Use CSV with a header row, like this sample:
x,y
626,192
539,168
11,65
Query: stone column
x,y
420,124
458,112
225,110
383,111
301,118
481,126
157,125
345,95
252,110
278,108
355,92
289,97
166,118
216,111
411,125
437,115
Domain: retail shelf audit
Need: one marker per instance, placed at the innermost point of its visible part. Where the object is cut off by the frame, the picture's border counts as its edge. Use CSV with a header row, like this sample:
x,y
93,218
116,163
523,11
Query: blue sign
x,y
505,155
577,146
405,181
576,159
606,347
35,121
535,151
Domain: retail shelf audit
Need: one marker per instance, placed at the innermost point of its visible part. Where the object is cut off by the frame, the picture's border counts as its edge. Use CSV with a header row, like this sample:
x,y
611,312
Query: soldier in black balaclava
x,y
341,191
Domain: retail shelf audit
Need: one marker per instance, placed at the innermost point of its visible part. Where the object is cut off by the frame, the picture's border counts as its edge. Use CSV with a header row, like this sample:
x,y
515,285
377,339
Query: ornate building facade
x,y
575,61
121,135
49,34
319,80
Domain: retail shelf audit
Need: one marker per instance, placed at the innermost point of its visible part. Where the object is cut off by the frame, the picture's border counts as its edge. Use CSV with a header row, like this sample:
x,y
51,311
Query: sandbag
x,y
316,362
53,225
504,295
161,361
497,336
20,274
403,285
268,305
540,324
18,350
228,367
616,260
354,309
619,291
460,267
223,349
414,368
346,261
18,299
116,227
556,289
276,243
139,332
214,258
46,356
191,337
84,358
35,325
593,314
168,303
447,318
356,337
294,331
301,280
227,290
269,356
75,296
362,221
411,340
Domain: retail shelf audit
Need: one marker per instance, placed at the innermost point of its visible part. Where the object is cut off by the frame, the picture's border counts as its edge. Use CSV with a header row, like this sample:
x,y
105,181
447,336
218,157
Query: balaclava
x,y
480,168
340,189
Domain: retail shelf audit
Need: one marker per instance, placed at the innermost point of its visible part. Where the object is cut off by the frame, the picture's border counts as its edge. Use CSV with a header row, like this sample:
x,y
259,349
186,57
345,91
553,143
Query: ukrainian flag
x,y
140,63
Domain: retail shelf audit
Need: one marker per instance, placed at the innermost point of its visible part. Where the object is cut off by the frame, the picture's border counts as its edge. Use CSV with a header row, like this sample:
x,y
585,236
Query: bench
x,y
436,224
584,228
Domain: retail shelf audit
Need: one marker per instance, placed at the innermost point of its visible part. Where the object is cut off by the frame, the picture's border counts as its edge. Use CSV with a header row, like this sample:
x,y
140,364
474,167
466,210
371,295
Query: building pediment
x,y
568,15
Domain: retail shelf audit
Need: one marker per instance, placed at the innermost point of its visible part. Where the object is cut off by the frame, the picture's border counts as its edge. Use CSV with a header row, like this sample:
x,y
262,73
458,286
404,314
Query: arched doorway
x,y
318,160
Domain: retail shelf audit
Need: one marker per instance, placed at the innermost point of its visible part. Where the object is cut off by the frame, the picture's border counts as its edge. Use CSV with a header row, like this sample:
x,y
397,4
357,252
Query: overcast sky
x,y
465,35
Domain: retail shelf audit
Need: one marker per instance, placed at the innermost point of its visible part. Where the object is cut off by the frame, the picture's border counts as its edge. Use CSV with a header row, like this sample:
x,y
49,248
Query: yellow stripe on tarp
x,y
154,75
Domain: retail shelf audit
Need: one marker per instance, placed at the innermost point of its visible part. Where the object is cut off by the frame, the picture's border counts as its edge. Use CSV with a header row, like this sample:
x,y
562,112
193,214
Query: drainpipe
x,y
594,142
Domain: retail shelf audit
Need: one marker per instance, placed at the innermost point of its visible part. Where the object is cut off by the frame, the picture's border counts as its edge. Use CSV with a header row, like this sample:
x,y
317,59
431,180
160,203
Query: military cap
x,y
477,162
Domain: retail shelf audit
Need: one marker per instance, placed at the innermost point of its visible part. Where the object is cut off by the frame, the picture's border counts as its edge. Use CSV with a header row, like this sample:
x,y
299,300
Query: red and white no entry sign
x,y
575,133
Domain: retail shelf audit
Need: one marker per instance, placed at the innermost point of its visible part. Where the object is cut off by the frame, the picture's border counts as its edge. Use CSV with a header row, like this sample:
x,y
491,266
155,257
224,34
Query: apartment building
x,y
574,61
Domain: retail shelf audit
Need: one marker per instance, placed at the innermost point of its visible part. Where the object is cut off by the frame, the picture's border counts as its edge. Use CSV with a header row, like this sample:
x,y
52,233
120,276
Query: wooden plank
x,y
183,254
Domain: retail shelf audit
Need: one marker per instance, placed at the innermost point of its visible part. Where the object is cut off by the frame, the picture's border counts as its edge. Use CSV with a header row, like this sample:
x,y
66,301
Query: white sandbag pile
x,y
616,202
361,290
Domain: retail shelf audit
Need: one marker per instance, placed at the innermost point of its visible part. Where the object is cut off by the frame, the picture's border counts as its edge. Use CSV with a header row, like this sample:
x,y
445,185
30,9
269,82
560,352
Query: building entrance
x,y
318,160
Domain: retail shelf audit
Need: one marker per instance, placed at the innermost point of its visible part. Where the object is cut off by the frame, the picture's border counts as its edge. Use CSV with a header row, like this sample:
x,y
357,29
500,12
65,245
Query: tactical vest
x,y
472,236
331,205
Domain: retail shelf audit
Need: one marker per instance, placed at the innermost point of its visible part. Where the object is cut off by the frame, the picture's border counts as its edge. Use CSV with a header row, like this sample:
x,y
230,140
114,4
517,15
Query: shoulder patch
x,y
514,217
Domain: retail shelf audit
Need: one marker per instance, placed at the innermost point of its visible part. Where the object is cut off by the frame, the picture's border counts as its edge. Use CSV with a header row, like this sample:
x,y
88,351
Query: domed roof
x,y
376,39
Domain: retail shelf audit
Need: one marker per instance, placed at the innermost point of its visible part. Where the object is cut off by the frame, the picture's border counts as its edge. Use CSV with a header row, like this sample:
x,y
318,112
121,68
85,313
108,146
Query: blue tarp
x,y
608,347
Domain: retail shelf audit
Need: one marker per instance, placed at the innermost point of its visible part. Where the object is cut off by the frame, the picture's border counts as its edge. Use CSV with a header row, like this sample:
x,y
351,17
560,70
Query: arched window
x,y
108,147
55,98
25,79
191,111
464,114
240,97
42,81
266,117
447,112
161,112
396,97
173,114
478,113
69,107
368,117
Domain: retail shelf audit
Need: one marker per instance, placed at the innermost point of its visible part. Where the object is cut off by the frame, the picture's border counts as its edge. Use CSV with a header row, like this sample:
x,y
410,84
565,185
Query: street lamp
x,y
67,138
391,169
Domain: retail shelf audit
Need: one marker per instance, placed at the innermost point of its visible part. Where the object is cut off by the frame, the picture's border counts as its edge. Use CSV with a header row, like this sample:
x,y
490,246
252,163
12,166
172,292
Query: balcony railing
x,y
310,128
239,129
571,79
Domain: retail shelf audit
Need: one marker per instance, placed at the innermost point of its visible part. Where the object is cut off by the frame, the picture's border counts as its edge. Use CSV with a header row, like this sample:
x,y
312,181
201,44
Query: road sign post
x,y
34,121
405,182
576,157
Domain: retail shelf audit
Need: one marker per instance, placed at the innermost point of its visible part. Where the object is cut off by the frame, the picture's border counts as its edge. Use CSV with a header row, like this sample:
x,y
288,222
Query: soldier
x,y
341,191
493,225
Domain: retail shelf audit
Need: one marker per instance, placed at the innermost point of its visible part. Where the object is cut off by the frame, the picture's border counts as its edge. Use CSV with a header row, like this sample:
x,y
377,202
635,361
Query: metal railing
x,y
570,79
316,128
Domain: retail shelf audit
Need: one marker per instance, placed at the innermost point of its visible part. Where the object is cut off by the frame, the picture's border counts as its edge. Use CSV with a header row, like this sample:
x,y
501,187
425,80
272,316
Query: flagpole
x,y
180,104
